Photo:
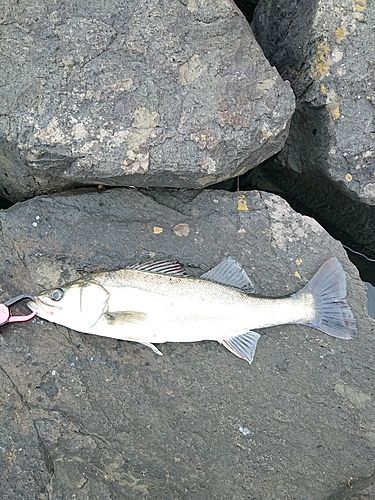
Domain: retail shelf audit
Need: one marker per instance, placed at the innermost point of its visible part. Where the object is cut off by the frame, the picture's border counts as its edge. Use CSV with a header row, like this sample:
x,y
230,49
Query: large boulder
x,y
133,93
326,50
89,417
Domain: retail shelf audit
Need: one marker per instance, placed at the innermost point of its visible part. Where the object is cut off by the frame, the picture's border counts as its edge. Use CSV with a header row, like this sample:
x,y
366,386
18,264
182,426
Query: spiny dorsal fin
x,y
229,272
170,267
243,346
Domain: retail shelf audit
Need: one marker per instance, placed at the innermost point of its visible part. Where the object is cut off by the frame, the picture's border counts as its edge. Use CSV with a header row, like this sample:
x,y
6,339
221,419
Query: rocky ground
x,y
325,49
147,93
161,94
87,417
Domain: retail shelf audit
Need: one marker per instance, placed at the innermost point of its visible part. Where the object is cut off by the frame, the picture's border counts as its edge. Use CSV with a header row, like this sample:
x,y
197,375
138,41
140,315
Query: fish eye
x,y
57,294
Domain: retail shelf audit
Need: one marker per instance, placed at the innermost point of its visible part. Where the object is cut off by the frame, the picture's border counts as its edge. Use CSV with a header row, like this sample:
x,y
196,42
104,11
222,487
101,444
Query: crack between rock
x,y
112,39
163,203
79,429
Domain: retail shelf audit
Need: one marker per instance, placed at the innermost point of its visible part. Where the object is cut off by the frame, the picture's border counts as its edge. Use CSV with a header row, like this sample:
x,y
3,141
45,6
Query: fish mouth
x,y
39,307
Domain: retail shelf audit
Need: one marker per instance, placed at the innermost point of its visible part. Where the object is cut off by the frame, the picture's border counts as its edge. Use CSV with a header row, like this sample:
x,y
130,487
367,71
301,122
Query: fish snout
x,y
39,307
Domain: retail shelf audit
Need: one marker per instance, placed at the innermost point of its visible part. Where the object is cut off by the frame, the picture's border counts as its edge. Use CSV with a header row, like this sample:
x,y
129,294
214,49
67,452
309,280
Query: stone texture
x,y
93,418
247,7
143,93
325,49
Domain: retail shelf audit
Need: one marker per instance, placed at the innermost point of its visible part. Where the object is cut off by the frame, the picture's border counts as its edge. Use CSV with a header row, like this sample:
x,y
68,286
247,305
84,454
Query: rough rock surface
x,y
325,49
93,418
150,93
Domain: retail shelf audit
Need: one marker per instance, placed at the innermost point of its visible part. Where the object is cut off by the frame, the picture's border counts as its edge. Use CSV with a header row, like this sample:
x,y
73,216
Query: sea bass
x,y
156,302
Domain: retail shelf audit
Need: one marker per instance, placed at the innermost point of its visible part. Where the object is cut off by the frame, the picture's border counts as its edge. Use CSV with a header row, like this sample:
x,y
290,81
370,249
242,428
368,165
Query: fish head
x,y
78,305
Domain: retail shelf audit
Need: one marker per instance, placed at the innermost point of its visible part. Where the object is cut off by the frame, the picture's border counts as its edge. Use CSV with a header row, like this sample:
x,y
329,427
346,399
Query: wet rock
x,y
134,93
325,49
100,418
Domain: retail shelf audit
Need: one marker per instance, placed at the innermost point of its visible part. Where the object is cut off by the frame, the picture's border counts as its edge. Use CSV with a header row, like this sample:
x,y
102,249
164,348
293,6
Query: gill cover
x,y
93,300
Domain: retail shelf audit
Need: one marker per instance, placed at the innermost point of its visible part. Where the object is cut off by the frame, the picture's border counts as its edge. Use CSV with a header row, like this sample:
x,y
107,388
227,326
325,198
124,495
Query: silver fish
x,y
156,302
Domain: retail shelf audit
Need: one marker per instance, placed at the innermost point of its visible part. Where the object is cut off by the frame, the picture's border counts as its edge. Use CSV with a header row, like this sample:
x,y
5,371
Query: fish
x,y
157,301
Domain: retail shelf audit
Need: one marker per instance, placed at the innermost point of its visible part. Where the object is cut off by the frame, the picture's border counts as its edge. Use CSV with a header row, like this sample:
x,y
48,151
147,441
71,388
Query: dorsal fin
x,y
170,267
229,272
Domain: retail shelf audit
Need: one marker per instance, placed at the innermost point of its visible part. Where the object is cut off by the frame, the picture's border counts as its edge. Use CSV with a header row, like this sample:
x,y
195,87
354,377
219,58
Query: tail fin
x,y
332,312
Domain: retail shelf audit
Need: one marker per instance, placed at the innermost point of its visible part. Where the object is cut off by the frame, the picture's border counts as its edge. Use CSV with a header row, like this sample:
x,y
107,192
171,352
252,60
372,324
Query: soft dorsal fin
x,y
170,267
229,272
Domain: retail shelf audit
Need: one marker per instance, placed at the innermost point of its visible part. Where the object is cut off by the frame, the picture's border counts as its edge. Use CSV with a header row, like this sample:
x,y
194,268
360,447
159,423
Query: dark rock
x,y
247,7
357,488
99,418
325,49
133,93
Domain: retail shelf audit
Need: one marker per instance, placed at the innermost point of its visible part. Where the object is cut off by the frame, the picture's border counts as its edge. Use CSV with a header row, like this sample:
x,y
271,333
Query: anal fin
x,y
243,345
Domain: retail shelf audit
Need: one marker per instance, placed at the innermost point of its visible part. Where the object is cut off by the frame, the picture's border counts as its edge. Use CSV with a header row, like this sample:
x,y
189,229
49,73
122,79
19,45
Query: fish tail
x,y
332,313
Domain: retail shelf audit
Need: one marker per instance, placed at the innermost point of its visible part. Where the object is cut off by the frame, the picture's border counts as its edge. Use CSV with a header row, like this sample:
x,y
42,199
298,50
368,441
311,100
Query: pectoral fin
x,y
125,318
243,346
122,318
151,346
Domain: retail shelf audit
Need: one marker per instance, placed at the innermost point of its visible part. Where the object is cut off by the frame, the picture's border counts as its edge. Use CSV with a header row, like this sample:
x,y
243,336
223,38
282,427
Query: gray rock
x,y
133,93
362,488
96,418
325,49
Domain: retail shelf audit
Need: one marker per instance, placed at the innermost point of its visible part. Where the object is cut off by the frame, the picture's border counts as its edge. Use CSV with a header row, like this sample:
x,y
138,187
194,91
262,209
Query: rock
x,y
361,488
325,49
137,93
99,418
247,7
